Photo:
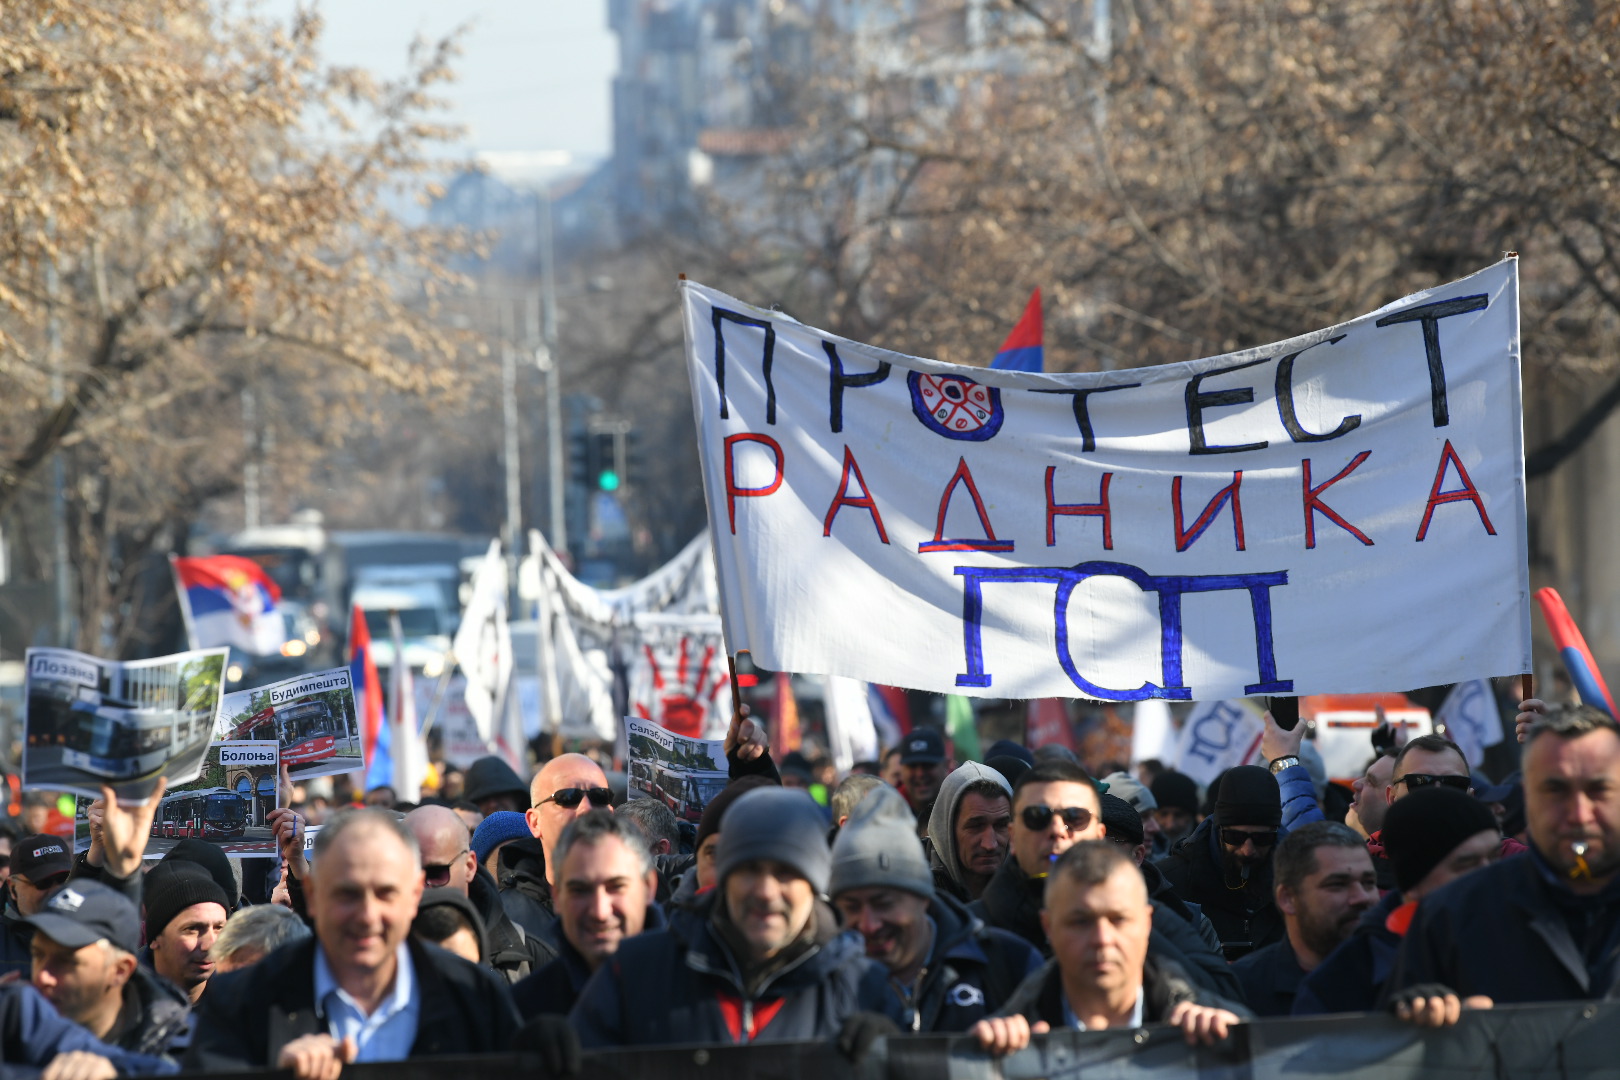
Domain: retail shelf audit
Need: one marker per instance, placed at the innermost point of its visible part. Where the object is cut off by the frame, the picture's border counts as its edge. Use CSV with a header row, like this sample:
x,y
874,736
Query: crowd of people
x,y
999,899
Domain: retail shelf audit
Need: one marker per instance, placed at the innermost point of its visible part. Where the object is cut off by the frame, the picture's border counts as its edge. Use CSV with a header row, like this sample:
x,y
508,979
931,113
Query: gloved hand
x,y
552,1040
859,1031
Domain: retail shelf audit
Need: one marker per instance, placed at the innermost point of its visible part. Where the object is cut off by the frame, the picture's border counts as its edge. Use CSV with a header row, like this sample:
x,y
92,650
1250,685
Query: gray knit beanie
x,y
781,824
878,848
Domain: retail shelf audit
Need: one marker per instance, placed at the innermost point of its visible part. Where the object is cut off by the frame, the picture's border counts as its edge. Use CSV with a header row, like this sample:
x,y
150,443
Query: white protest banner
x,y
483,644
1339,512
678,675
1217,736
1469,717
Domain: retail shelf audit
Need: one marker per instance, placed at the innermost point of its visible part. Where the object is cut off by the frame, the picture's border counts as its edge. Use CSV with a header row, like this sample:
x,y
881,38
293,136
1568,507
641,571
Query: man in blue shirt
x,y
360,990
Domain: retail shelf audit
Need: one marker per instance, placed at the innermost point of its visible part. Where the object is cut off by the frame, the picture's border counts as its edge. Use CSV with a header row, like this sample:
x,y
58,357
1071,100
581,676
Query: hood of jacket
x,y
505,939
522,866
942,821
164,1013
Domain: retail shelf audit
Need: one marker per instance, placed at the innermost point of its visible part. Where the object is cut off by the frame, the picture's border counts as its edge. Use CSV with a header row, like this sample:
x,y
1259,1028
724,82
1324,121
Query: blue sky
x,y
533,77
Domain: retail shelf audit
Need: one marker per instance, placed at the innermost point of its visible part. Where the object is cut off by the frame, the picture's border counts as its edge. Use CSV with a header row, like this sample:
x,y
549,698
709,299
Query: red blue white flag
x,y
1024,349
229,600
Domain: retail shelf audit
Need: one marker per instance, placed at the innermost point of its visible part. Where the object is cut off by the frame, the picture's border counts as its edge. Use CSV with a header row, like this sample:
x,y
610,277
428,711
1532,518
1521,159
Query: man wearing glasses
x,y
39,864
566,787
1055,806
448,862
1427,761
1224,865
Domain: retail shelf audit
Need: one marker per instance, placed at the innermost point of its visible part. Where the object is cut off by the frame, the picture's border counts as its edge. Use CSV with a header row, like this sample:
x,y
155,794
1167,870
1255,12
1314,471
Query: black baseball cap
x,y
83,912
924,746
40,856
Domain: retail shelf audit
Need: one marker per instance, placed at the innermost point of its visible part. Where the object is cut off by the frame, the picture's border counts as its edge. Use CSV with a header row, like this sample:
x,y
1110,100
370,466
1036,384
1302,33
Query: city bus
x,y
120,740
307,730
686,794
211,814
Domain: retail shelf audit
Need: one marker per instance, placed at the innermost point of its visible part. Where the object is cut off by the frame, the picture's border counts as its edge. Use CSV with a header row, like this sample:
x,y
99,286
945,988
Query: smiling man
x,y
604,896
947,968
762,959
360,990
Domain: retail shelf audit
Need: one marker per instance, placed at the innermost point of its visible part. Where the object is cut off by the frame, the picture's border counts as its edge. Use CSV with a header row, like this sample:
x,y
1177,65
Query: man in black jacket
x,y
360,990
1541,926
1224,865
947,968
604,897
758,959
1099,920
1055,806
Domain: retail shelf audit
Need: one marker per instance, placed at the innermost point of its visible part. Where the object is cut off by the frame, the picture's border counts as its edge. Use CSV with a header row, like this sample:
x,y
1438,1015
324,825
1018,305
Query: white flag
x,y
409,755
1217,736
1470,717
483,644
851,734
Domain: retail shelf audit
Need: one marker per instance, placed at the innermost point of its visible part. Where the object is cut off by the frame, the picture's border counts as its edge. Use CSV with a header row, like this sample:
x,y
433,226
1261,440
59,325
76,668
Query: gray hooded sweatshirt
x,y
942,822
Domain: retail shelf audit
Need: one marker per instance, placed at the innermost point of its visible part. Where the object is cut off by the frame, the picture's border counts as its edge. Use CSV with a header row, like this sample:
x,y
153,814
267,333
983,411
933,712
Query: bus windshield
x,y
307,718
225,808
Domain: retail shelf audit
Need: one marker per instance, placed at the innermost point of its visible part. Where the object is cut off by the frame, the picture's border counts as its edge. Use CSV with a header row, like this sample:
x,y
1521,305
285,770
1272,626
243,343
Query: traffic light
x,y
634,465
580,468
605,460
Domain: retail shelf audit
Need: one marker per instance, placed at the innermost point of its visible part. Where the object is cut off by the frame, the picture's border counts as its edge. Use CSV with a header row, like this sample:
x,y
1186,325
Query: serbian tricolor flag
x,y
1583,670
1023,349
367,686
229,600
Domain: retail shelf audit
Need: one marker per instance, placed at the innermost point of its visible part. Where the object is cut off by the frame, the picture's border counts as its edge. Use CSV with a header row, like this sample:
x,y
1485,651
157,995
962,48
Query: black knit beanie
x,y
211,859
173,886
1121,819
1426,826
1248,795
1173,790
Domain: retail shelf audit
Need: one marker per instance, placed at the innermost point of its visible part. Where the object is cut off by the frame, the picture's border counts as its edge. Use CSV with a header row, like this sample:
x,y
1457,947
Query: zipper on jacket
x,y
748,1019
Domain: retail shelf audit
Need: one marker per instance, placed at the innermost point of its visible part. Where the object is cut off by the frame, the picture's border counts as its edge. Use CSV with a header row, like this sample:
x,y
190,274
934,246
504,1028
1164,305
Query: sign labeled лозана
x,y
1340,512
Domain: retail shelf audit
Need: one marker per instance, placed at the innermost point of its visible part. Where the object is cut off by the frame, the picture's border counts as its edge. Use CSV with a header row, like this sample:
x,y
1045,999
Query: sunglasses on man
x,y
1416,781
1233,837
569,797
437,875
1038,817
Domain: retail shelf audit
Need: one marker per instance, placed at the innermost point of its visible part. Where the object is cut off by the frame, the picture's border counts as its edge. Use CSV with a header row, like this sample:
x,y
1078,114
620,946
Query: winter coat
x,y
16,937
1514,932
1246,918
163,1024
555,987
525,893
1270,978
1352,977
32,1033
247,1016
1299,805
1164,986
1012,902
1161,893
512,951
971,971
683,985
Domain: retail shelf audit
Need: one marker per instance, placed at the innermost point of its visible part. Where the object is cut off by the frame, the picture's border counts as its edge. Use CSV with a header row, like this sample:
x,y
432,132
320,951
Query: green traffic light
x,y
608,481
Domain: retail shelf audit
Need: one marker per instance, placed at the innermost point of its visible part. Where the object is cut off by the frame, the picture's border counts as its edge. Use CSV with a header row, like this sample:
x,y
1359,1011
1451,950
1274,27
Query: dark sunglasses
x,y
1417,780
47,884
569,797
1037,818
438,874
1235,838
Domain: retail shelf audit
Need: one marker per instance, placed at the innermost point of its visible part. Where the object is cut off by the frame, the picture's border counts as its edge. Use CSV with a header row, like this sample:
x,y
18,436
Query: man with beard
x,y
924,765
1224,865
1175,797
1544,926
1325,882
969,830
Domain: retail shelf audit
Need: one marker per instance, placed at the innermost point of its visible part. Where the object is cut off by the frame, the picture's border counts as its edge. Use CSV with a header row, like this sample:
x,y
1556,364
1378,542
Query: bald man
x,y
567,787
448,862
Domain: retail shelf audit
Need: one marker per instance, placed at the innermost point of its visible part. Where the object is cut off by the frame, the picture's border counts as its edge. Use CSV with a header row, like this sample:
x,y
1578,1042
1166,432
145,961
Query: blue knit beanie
x,y
497,829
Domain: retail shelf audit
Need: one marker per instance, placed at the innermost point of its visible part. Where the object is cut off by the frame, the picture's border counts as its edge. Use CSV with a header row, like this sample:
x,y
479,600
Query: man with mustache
x,y
969,830
759,958
1325,882
1543,926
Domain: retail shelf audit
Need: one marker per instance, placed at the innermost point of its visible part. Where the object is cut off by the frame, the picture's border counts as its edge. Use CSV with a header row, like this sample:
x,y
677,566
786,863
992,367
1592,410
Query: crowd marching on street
x,y
998,899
